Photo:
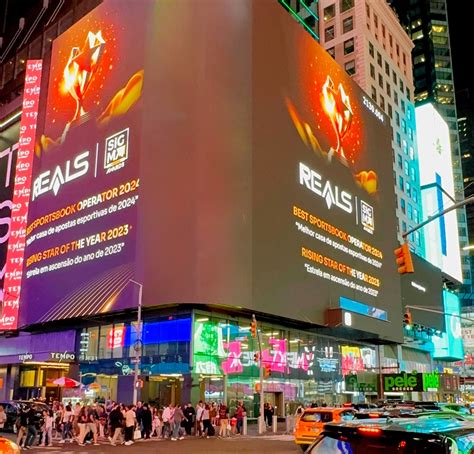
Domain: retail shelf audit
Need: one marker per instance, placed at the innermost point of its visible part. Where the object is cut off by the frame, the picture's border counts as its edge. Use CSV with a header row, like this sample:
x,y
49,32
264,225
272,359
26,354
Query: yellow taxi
x,y
311,423
8,447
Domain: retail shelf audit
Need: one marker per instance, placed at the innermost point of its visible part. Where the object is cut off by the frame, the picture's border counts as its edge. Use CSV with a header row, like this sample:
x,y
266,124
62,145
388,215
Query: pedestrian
x,y
22,424
199,424
116,421
206,421
3,418
47,428
82,425
75,422
189,413
167,420
30,427
239,414
130,422
66,419
213,414
147,421
92,421
178,418
223,419
139,413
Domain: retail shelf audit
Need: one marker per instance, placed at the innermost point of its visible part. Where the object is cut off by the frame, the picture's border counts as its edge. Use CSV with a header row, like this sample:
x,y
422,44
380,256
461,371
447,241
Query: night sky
x,y
461,25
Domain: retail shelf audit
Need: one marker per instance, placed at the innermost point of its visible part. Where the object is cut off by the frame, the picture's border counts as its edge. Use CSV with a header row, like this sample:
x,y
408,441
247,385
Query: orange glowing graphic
x,y
124,99
80,69
337,106
367,180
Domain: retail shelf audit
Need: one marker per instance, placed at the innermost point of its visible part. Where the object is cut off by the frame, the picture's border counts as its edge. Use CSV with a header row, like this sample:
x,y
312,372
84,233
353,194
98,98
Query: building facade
x,y
367,40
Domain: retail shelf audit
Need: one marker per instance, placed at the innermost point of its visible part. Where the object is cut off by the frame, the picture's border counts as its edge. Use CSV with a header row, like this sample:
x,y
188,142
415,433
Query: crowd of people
x,y
124,424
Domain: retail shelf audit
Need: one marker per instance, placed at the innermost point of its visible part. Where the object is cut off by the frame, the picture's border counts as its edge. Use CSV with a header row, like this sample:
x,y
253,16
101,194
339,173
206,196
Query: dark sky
x,y
461,26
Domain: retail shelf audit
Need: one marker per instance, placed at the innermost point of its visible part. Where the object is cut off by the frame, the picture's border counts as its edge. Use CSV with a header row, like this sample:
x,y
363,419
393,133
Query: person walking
x,y
207,429
199,425
139,413
82,425
178,418
239,414
130,422
22,427
66,421
167,421
30,427
223,420
189,413
147,421
116,421
47,428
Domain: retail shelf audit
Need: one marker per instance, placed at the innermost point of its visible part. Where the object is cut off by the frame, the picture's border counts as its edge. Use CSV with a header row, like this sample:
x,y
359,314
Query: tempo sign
x,y
417,382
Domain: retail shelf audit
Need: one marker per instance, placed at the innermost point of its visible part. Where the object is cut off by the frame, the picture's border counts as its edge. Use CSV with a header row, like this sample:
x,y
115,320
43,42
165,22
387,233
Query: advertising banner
x,y
86,182
21,196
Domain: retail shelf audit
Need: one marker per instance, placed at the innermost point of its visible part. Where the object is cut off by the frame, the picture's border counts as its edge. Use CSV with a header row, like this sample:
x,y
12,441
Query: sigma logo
x,y
116,151
52,180
331,193
367,217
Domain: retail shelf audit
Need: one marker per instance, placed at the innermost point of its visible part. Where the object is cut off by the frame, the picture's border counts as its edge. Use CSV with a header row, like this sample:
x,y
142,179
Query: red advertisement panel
x,y
21,196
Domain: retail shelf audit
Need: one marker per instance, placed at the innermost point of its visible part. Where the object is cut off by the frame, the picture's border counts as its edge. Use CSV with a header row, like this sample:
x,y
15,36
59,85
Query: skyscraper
x,y
366,39
426,21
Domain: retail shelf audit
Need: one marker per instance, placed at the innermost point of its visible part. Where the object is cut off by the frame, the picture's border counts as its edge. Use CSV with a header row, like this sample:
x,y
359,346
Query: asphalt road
x,y
277,444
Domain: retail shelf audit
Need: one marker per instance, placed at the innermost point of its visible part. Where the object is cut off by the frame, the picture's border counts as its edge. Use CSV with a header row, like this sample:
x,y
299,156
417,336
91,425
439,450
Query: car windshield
x,y
373,445
314,416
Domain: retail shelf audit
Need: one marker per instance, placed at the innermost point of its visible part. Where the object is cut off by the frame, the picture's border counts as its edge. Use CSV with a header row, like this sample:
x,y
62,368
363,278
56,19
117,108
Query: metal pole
x,y
261,420
438,215
138,347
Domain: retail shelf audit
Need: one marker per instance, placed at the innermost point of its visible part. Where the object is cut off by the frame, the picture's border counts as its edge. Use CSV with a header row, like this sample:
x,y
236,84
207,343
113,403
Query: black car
x,y
12,409
398,436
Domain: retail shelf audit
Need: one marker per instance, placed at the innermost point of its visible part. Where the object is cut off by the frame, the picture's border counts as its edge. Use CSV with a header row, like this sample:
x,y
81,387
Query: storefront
x,y
414,385
29,364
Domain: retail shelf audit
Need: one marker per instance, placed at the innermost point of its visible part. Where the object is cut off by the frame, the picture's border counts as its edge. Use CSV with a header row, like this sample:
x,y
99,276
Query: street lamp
x,y
138,346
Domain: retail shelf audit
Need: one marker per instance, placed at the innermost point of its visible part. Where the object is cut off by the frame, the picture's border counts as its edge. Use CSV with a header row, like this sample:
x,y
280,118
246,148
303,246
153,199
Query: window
x,y
397,118
387,69
399,161
407,92
395,97
347,24
401,86
388,89
404,126
332,52
379,59
410,212
399,139
394,74
376,21
329,12
382,102
403,106
349,46
403,205
406,168
416,216
381,81
372,71
329,33
367,10
412,153
414,195
346,4
401,183
350,67
413,173
408,113
374,94
404,226
405,146
397,47
390,111
383,31
407,189
371,49
404,57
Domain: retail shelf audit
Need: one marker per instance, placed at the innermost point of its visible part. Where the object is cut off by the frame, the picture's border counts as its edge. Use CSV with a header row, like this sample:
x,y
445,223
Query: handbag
x,y
137,434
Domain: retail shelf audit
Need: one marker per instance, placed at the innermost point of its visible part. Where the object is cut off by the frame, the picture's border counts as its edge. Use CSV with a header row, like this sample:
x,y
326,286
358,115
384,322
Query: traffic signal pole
x,y
257,335
438,215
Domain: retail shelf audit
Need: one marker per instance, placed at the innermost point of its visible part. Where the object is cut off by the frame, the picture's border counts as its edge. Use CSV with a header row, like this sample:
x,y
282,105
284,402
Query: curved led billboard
x,y
243,172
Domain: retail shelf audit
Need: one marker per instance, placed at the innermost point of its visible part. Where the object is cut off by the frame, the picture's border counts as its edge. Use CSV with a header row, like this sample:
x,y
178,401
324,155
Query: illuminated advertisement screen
x,y
449,346
324,207
437,184
80,251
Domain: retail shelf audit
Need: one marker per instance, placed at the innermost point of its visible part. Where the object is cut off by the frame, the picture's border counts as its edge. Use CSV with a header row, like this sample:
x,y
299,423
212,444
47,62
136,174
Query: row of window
x,y
347,26
386,39
330,11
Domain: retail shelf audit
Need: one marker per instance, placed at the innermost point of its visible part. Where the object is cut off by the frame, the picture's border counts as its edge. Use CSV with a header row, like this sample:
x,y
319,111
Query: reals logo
x,y
367,217
116,151
325,189
52,180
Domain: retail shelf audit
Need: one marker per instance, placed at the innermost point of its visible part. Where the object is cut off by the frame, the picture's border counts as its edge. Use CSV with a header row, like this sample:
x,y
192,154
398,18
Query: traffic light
x,y
256,357
403,259
407,319
253,327
267,371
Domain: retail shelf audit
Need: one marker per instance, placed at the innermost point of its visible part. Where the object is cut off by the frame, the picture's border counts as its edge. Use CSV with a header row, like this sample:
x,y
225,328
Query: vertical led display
x,y
437,186
21,196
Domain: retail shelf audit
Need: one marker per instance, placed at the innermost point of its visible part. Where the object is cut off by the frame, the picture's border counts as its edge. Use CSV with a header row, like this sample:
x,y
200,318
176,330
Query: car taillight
x,y
373,415
374,431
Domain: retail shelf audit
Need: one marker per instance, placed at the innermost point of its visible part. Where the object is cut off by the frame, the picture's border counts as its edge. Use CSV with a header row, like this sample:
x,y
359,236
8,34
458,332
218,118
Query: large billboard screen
x,y
437,185
324,205
80,250
265,173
